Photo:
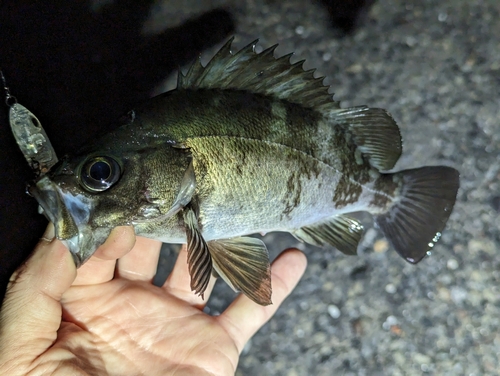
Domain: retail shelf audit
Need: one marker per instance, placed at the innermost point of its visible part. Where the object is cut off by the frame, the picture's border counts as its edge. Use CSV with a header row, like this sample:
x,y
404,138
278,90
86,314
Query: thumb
x,y
31,312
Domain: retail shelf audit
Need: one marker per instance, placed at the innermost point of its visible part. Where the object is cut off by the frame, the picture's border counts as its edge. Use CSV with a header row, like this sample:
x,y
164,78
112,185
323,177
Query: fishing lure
x,y
29,134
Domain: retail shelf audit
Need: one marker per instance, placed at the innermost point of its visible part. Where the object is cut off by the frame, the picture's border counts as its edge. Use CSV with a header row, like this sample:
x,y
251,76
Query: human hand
x,y
108,318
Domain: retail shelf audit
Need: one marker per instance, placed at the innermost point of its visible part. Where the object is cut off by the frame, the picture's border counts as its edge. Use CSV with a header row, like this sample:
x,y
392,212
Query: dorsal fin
x,y
375,132
262,74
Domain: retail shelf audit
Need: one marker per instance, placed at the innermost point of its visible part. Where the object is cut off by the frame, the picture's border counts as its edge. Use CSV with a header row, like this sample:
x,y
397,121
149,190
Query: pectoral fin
x,y
186,191
199,259
243,263
340,231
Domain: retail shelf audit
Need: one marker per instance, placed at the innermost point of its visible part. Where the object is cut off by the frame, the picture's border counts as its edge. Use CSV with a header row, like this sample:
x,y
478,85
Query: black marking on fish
x,y
386,189
346,192
294,188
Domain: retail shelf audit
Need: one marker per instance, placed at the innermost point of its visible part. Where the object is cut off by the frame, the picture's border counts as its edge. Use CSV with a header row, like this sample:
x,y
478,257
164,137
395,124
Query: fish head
x,y
73,196
85,197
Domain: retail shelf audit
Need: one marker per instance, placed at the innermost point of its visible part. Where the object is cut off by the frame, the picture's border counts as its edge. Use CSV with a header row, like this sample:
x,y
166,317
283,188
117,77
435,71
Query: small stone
x,y
411,41
299,30
381,246
399,358
355,289
304,305
421,358
476,245
458,294
452,264
389,322
396,329
442,17
327,56
390,288
355,68
328,286
425,368
300,333
319,338
334,311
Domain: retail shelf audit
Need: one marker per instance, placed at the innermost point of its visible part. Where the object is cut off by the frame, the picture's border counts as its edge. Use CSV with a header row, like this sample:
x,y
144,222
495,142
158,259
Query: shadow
x,y
78,70
347,15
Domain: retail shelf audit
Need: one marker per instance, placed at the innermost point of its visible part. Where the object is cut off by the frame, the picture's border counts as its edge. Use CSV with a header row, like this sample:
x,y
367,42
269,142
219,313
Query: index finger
x,y
101,266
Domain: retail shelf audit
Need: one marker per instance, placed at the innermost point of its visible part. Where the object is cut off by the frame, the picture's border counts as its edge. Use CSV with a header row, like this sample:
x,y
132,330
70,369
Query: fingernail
x,y
49,233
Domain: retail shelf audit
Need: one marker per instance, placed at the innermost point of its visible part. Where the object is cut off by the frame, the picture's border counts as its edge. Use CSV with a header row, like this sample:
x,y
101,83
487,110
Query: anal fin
x,y
339,231
243,263
199,259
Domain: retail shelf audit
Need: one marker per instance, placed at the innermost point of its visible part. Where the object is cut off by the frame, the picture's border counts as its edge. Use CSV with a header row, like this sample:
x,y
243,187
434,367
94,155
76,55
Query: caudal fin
x,y
415,221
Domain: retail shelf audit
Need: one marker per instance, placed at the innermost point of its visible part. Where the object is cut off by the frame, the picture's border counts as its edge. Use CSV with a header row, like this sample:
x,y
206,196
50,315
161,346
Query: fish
x,y
249,143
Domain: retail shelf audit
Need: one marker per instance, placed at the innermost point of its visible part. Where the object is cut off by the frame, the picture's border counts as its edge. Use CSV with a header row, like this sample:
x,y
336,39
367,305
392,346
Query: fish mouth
x,y
70,215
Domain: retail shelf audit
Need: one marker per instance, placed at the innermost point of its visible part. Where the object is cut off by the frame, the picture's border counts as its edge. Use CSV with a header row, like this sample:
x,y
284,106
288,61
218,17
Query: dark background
x,y
434,65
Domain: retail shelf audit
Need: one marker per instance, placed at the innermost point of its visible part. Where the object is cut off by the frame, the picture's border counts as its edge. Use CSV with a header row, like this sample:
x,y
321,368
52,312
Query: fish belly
x,y
248,186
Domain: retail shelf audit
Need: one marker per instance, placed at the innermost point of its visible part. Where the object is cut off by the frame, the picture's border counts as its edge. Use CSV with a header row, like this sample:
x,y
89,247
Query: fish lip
x,y
70,216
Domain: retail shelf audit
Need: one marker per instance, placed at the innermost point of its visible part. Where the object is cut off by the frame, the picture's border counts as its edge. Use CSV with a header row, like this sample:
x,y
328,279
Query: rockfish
x,y
247,144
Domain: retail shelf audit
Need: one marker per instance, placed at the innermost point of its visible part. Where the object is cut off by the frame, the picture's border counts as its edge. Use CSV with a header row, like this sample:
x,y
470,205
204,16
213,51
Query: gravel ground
x,y
435,65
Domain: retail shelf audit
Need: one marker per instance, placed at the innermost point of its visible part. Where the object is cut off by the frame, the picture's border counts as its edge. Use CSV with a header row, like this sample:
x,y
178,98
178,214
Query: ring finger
x,y
141,262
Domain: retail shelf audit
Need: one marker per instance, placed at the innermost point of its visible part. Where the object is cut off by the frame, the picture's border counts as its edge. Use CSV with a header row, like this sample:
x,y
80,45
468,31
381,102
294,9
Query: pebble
x,y
327,56
389,321
334,311
355,68
304,305
458,294
381,246
390,288
299,30
299,333
452,264
422,358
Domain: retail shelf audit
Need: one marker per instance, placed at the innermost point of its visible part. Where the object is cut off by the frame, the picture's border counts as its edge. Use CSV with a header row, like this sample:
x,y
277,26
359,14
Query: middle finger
x,y
178,283
141,262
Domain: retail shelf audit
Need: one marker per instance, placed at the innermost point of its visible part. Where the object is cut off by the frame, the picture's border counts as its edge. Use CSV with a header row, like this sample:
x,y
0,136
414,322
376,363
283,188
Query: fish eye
x,y
99,173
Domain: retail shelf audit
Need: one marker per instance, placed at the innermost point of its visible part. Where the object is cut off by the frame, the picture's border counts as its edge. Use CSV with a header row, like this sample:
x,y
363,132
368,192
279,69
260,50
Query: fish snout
x,y
70,213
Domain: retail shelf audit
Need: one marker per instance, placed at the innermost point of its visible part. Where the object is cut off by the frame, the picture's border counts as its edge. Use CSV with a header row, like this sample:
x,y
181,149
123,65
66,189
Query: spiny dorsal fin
x,y
259,73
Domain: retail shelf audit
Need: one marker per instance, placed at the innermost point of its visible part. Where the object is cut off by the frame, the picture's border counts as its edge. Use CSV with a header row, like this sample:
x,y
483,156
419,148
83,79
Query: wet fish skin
x,y
247,144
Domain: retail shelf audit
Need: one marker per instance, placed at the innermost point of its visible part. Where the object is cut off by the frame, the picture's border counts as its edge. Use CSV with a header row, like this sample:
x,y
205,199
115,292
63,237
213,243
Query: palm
x,y
135,327
116,322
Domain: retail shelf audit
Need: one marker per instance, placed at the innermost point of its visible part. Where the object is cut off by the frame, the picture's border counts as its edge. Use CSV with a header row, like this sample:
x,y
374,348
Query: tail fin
x,y
414,223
